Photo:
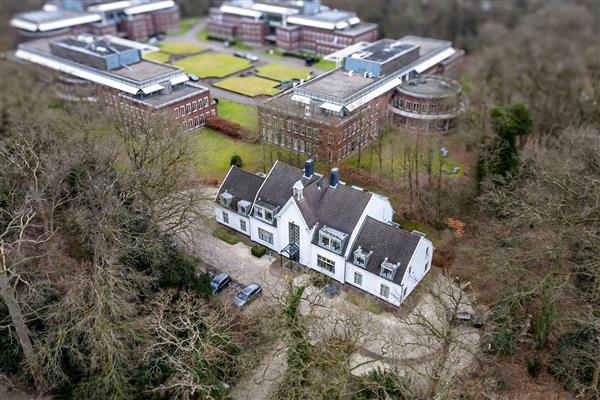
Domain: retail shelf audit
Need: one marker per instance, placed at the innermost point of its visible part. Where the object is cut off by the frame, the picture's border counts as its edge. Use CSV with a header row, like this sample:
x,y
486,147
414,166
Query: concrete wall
x,y
419,265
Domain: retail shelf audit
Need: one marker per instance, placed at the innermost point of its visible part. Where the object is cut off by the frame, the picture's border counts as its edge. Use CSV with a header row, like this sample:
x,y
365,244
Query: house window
x,y
326,263
181,110
206,102
225,217
194,105
387,273
384,291
176,113
188,107
360,258
265,236
263,214
331,243
243,225
358,278
404,293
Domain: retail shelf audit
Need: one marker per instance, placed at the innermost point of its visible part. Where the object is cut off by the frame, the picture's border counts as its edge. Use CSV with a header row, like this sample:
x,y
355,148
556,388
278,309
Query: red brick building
x,y
334,115
114,74
134,19
290,25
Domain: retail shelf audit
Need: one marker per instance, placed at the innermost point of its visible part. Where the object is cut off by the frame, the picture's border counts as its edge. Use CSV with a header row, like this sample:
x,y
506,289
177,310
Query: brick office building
x,y
134,19
290,25
115,75
334,115
429,104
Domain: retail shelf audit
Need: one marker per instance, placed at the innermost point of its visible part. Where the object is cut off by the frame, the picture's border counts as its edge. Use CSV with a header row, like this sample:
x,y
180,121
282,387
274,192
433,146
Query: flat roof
x,y
339,83
426,45
384,50
41,20
430,86
178,94
357,29
143,70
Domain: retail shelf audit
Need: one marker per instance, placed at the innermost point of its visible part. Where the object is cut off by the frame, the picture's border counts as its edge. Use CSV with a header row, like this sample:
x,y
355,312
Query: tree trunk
x,y
7,293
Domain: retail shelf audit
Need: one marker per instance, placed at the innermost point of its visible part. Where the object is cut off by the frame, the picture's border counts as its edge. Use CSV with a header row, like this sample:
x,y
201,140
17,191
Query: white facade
x,y
339,267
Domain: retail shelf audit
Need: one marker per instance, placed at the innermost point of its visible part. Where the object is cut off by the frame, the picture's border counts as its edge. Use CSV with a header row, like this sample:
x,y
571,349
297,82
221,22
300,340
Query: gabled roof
x,y
241,184
385,240
339,208
277,188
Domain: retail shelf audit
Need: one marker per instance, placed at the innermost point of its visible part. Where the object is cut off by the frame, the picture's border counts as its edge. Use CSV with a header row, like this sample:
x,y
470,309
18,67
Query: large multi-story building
x,y
134,19
112,71
341,231
334,115
290,24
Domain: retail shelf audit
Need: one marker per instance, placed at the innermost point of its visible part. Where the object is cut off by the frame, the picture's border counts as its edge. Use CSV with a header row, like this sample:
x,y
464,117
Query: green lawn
x,y
213,65
185,25
249,85
241,114
157,56
324,64
203,35
280,72
213,151
180,48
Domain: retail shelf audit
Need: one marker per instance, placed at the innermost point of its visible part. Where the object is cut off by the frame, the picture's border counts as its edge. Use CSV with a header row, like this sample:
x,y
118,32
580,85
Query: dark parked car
x,y
220,282
193,78
247,294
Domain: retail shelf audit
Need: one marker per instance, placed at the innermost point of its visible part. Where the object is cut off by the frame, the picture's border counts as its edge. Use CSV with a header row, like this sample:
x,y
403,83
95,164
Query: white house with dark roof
x,y
341,231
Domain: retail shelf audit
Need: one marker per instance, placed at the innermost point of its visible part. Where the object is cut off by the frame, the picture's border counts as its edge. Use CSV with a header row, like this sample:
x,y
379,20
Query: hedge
x,y
225,236
258,251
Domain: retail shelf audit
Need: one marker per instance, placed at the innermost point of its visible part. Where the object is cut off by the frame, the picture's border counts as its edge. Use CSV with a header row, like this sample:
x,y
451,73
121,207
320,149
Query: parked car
x,y
193,78
220,282
247,56
247,294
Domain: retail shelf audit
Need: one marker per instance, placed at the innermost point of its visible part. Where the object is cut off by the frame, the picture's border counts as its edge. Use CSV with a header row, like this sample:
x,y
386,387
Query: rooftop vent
x,y
309,168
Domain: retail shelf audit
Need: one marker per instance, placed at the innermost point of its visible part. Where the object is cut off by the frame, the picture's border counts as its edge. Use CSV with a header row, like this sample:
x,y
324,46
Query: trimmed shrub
x,y
231,129
258,251
225,235
319,280
236,160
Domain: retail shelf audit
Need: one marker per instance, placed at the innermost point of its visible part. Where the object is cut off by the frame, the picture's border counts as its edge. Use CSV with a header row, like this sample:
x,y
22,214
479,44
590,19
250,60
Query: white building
x,y
341,231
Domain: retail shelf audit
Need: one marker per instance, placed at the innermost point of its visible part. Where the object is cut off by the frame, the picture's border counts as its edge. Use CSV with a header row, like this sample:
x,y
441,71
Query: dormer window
x,y
263,213
361,258
332,239
243,207
388,269
225,199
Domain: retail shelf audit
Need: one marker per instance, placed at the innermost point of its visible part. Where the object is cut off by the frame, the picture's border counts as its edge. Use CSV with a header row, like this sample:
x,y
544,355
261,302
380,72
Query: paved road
x,y
191,36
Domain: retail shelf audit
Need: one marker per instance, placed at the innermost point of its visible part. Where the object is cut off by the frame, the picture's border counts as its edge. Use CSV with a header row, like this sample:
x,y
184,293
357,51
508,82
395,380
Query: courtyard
x,y
213,65
251,86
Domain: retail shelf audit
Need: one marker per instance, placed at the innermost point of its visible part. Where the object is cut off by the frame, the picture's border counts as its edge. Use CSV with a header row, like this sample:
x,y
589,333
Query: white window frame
x,y
358,279
225,217
262,234
331,240
326,263
243,225
384,291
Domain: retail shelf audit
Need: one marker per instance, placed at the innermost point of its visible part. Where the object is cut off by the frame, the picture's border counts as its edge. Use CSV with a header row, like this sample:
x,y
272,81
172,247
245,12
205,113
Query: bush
x,y
225,235
383,384
231,129
319,280
236,160
258,251
534,367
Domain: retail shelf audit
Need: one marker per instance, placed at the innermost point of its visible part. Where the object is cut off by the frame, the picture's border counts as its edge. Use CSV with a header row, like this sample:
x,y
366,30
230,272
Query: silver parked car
x,y
247,294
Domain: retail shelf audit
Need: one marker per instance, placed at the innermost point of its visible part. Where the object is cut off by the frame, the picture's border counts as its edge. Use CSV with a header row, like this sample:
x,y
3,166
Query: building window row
x,y
191,107
425,108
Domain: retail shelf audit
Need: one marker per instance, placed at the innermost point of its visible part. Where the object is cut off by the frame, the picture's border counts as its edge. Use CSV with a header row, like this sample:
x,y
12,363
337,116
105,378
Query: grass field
x,y
280,72
157,56
214,150
203,35
249,86
180,48
213,65
324,64
241,114
185,24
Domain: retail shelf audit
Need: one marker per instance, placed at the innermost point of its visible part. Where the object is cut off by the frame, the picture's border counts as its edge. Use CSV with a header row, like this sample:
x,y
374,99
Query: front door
x,y
295,238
